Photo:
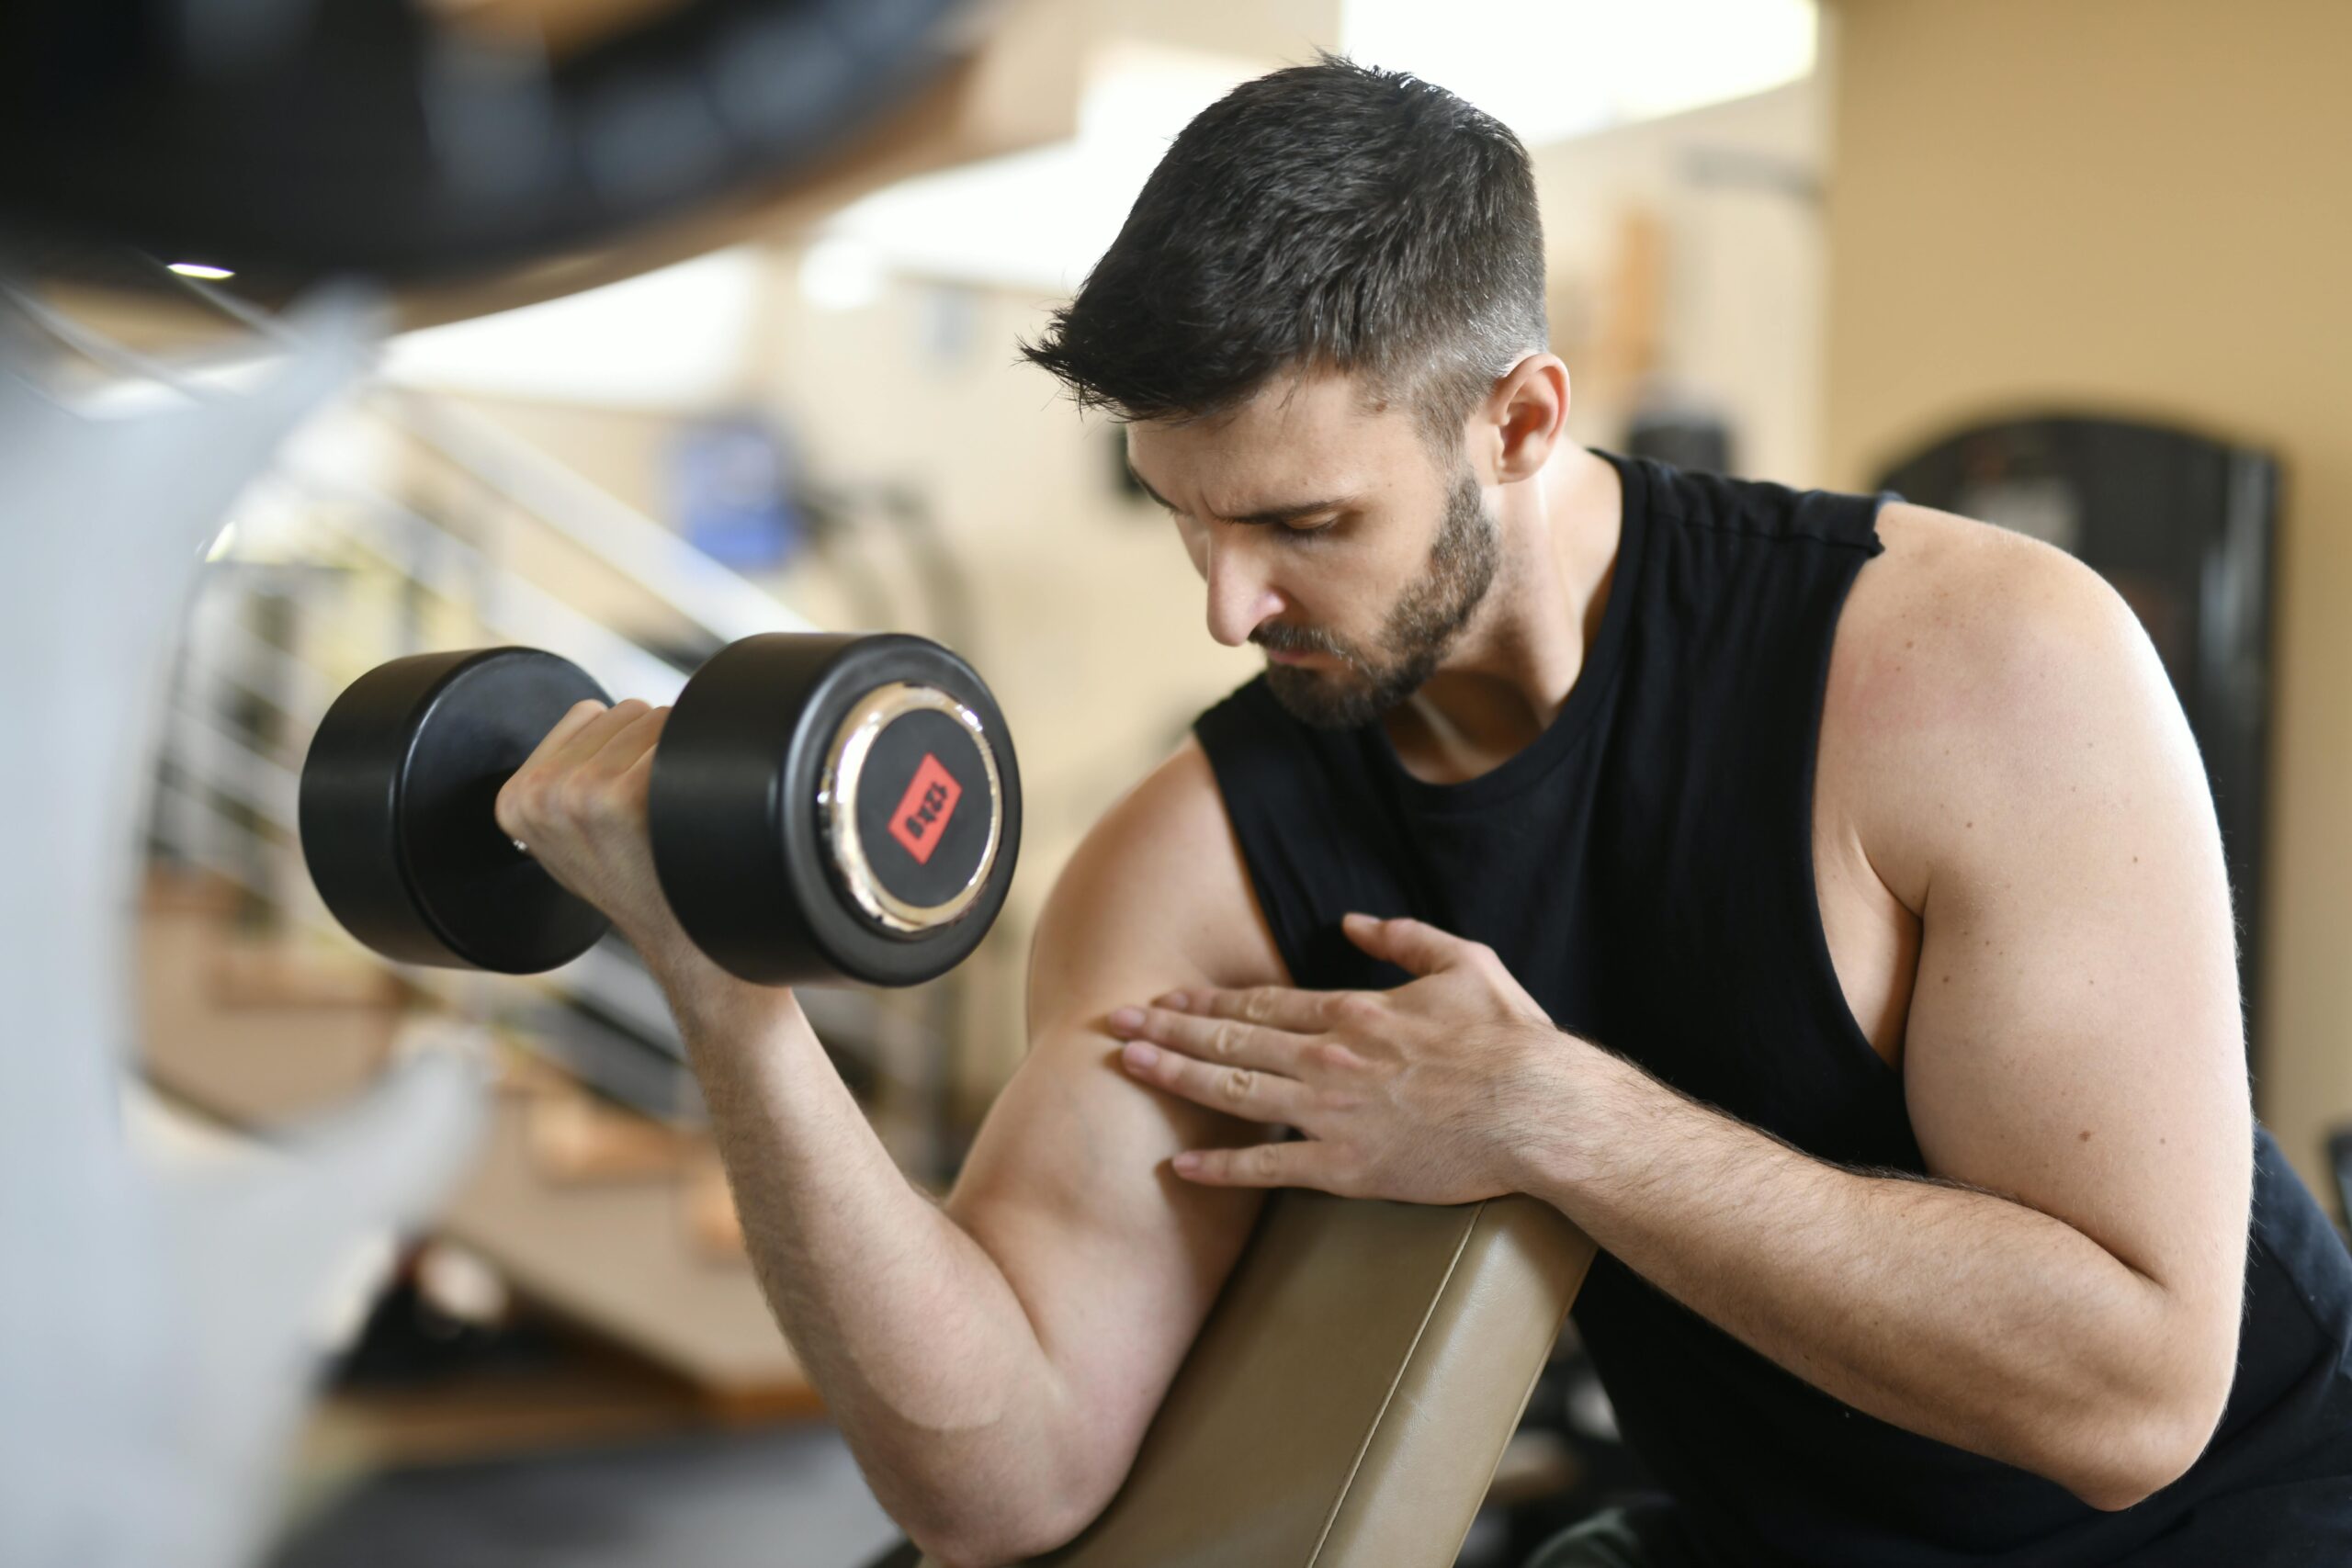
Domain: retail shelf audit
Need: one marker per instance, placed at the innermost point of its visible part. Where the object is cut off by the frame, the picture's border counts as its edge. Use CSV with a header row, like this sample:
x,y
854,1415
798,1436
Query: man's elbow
x,y
2146,1450
2129,1473
1048,1515
1003,1544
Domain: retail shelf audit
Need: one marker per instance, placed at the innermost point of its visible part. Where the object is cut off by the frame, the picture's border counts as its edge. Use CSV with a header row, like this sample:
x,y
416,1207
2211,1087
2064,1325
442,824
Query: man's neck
x,y
1522,653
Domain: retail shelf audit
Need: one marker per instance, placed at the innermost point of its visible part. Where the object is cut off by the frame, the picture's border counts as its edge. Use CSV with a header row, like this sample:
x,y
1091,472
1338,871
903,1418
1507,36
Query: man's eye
x,y
1304,528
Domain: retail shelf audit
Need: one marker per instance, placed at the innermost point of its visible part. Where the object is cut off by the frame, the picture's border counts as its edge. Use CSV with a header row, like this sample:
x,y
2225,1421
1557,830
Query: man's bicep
x,y
1067,1187
2074,1040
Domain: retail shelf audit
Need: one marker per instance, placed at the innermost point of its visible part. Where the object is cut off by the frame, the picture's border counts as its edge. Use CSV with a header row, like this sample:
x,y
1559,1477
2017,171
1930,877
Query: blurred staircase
x,y
615,1221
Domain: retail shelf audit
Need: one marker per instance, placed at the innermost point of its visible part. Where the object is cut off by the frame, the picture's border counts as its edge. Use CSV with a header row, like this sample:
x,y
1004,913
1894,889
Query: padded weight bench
x,y
1349,1398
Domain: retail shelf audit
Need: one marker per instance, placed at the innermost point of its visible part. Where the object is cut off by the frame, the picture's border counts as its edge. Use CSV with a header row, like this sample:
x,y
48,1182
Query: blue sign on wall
x,y
731,493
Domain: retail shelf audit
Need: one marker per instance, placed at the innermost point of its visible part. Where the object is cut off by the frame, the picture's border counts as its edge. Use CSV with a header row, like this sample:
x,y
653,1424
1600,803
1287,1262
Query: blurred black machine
x,y
2183,526
289,140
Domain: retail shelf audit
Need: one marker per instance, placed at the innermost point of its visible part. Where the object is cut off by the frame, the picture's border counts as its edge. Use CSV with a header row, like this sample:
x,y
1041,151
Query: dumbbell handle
x,y
397,810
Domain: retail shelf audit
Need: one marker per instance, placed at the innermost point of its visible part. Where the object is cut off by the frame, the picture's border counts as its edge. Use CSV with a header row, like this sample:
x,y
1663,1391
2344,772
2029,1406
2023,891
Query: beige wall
x,y
1278,32
1728,308
2143,205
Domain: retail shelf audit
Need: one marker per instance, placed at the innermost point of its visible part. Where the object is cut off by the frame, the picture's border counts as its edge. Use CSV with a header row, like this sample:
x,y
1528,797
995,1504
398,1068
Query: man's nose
x,y
1241,592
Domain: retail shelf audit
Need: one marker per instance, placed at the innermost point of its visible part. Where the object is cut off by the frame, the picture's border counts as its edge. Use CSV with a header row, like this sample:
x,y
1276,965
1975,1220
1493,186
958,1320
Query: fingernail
x,y
1128,1018
1139,1055
1175,1001
1187,1161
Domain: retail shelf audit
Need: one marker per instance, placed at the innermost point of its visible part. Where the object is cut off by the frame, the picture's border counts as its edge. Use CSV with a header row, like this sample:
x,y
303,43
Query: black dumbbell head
x,y
398,819
831,807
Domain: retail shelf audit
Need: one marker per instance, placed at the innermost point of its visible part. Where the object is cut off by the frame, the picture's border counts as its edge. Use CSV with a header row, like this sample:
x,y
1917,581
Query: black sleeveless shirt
x,y
1645,868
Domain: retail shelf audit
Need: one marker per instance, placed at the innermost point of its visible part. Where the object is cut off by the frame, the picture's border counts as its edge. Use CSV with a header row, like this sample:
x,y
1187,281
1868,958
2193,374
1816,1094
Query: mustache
x,y
1295,639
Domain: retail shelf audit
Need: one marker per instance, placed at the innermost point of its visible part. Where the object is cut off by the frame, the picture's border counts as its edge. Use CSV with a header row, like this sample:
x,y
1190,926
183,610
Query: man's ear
x,y
1525,418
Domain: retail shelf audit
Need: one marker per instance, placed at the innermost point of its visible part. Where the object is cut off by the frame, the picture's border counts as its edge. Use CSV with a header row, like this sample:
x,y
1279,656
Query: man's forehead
x,y
1314,432
1292,403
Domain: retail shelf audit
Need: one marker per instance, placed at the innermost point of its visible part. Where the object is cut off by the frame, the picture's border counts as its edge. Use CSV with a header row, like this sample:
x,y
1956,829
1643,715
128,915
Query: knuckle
x,y
1265,1159
1353,1007
1224,1040
1253,1005
1236,1083
600,794
523,803
596,780
587,799
567,799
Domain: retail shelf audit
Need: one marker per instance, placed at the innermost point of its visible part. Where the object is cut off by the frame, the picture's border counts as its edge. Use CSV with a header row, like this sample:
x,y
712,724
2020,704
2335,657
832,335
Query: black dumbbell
x,y
821,807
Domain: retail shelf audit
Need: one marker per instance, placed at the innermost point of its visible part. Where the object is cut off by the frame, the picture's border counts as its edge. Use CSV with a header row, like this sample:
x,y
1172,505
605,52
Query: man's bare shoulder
x,y
1943,564
1966,651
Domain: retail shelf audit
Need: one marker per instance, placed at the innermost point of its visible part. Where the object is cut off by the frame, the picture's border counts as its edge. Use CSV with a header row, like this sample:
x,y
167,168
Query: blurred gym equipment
x,y
1353,1391
291,139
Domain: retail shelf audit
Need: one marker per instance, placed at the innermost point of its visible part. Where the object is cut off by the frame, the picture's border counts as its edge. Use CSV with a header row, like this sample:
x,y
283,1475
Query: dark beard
x,y
1423,624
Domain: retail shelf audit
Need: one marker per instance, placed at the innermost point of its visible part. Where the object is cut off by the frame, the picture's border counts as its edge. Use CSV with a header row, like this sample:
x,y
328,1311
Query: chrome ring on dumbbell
x,y
921,819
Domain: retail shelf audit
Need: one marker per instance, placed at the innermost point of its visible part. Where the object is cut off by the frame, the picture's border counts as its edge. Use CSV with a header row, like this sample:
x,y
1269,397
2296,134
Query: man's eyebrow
x,y
1144,485
1289,513
1271,515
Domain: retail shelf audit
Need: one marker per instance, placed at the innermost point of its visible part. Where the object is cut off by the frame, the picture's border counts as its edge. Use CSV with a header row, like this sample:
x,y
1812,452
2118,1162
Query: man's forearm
x,y
1943,1309
924,1354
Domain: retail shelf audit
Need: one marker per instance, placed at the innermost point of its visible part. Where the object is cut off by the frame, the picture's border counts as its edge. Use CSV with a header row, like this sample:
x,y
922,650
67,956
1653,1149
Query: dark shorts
x,y
1646,1534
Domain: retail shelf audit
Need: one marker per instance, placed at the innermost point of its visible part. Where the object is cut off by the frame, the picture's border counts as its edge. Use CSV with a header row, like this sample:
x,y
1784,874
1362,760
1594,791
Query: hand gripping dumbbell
x,y
821,807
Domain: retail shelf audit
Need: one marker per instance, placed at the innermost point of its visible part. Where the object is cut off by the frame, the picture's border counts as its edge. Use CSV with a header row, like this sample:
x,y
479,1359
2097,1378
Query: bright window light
x,y
203,270
678,337
1575,66
1038,220
841,273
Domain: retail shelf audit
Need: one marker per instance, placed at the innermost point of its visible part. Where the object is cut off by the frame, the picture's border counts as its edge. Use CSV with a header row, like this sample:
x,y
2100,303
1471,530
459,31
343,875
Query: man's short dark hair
x,y
1326,215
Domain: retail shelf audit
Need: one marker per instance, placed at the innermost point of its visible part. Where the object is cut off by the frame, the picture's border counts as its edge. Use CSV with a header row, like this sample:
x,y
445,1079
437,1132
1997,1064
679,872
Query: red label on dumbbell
x,y
923,810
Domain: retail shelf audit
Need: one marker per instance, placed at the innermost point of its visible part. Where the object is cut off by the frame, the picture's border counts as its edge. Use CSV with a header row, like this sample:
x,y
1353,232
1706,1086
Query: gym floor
x,y
785,1498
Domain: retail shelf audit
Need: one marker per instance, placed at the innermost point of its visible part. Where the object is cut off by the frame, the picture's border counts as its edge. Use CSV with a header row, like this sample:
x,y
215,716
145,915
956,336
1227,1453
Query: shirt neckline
x,y
1592,682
